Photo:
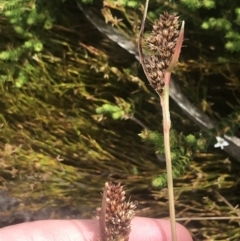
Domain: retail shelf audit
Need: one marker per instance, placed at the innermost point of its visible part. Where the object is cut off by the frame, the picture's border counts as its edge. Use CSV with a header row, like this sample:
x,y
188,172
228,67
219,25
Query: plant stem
x,y
164,97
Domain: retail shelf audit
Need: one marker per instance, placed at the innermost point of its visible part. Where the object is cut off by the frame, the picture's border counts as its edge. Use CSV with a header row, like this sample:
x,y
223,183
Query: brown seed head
x,y
162,43
117,215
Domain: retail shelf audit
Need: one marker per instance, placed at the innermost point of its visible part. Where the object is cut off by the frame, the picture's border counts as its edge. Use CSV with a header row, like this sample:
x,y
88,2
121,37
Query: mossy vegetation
x,y
56,150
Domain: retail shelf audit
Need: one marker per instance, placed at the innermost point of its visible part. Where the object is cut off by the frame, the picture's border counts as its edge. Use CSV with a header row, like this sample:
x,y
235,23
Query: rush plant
x,y
164,44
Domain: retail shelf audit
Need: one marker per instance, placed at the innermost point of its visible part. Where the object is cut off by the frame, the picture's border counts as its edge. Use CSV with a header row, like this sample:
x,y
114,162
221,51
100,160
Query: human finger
x,y
142,229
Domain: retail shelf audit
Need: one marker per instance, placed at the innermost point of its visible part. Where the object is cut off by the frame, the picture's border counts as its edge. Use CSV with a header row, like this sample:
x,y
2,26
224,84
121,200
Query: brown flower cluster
x,y
162,42
115,214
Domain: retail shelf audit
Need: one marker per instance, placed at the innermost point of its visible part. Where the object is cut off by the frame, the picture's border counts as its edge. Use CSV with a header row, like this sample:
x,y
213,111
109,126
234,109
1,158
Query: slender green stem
x,y
166,129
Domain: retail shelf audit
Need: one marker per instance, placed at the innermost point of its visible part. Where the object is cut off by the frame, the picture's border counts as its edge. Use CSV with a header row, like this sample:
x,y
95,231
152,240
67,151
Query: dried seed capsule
x,y
115,214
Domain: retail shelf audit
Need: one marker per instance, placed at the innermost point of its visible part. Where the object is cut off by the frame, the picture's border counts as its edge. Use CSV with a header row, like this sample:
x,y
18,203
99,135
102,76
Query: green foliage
x,y
115,111
227,25
129,3
182,151
25,20
121,111
233,37
155,138
87,1
219,24
195,4
184,147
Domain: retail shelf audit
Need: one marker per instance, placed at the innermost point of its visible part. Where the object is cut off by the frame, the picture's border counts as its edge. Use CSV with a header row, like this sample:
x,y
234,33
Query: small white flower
x,y
220,142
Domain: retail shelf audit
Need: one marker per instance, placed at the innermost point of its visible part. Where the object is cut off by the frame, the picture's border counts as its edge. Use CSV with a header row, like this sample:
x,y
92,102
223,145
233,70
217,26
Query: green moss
x,y
49,101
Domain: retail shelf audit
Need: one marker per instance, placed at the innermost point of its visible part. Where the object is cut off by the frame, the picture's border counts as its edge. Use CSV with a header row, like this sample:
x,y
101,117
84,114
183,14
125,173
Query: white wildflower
x,y
220,142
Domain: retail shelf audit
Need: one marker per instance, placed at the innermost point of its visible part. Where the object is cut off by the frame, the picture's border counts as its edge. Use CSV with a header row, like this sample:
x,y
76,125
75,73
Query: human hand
x,y
142,229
